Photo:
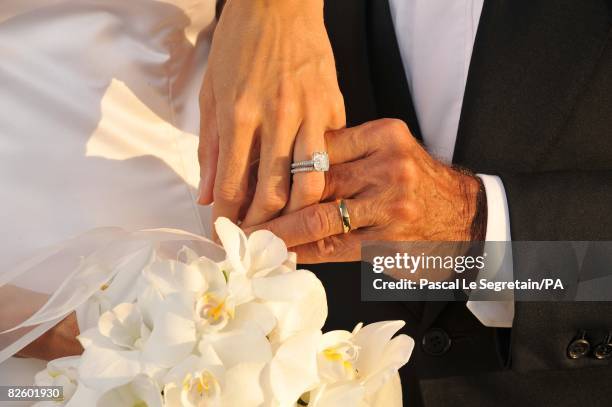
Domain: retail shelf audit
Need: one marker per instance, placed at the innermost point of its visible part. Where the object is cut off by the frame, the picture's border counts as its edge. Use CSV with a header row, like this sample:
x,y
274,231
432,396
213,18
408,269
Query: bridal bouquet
x,y
185,330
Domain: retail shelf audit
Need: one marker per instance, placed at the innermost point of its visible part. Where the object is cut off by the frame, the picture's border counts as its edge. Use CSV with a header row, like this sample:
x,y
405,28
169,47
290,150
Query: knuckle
x,y
403,171
395,126
274,201
316,222
242,113
229,192
331,246
326,247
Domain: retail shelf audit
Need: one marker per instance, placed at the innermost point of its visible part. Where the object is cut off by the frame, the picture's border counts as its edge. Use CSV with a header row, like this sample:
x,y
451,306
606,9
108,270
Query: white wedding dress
x,y
99,119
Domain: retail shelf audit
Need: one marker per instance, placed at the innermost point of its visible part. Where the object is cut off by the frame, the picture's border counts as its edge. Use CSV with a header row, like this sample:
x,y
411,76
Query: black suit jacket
x,y
537,112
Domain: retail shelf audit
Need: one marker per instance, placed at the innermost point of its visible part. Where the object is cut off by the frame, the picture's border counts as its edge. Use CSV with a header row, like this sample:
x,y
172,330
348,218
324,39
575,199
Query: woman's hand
x,y
57,342
269,94
394,191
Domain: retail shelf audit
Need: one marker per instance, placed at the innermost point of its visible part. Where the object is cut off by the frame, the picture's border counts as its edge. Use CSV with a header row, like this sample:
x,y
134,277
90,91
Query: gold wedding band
x,y
344,216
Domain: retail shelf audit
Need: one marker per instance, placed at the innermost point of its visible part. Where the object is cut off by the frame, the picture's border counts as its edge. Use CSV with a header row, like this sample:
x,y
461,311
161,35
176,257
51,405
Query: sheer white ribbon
x,y
88,263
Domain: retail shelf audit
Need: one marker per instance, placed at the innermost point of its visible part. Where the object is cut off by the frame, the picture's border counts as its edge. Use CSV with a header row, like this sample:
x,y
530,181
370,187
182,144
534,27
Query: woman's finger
x,y
317,222
307,187
230,191
208,147
273,176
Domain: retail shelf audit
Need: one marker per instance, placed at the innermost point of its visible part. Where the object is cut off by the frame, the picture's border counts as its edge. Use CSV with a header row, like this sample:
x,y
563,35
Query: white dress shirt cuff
x,y
498,219
498,314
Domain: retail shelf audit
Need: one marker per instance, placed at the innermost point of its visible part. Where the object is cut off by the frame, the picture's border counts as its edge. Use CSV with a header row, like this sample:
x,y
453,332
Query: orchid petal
x,y
242,385
395,355
92,337
212,274
306,310
173,335
140,391
83,396
102,368
122,325
235,244
252,315
267,251
285,287
344,394
390,395
372,339
239,285
293,370
237,347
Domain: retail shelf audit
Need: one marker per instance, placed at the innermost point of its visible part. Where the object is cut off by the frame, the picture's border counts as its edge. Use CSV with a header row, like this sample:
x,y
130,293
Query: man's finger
x,y
349,144
208,147
272,191
346,180
317,222
339,248
355,143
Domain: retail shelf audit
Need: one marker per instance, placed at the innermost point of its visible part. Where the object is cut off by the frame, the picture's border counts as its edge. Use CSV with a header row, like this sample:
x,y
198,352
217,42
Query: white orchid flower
x,y
195,382
369,357
210,380
265,272
337,357
221,300
164,277
123,345
63,372
380,354
297,300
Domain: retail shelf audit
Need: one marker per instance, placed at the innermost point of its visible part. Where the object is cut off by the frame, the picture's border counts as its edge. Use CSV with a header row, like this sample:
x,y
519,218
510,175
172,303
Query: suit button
x,y
436,342
579,347
604,350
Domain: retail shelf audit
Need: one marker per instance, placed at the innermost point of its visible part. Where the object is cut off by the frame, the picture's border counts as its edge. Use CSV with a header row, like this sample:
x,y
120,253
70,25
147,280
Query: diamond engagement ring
x,y
319,163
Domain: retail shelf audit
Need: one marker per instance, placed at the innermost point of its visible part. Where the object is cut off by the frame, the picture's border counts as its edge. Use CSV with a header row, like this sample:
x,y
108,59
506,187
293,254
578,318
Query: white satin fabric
x,y
98,124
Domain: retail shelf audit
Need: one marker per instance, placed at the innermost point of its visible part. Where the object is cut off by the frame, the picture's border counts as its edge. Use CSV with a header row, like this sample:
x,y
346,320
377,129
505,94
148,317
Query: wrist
x,y
286,7
475,207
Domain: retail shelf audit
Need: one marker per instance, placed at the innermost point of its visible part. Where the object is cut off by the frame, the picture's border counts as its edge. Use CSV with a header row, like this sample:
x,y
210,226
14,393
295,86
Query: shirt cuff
x,y
498,219
498,314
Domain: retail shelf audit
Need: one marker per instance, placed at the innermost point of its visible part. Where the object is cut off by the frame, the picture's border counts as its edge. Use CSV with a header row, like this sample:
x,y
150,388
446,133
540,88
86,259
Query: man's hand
x,y
269,94
393,189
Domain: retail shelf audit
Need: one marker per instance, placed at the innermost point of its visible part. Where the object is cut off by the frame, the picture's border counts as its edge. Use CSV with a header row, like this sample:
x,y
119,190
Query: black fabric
x,y
549,388
393,98
537,112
